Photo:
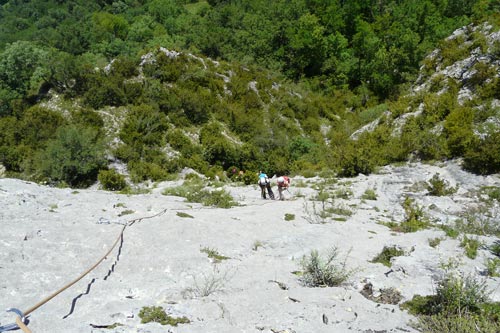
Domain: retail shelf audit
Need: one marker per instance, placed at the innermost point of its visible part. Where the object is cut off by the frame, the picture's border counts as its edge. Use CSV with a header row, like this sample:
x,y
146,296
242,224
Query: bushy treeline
x,y
114,94
168,110
366,44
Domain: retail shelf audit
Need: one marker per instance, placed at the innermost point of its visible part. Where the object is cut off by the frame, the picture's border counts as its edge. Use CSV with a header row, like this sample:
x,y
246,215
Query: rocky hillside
x,y
408,233
453,108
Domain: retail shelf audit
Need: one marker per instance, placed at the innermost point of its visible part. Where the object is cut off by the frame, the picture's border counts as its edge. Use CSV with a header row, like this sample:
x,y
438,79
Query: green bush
x,y
470,245
439,187
369,194
458,128
75,156
457,295
141,171
324,272
38,125
355,160
112,180
388,252
461,304
193,190
217,198
103,93
214,254
482,156
415,217
250,178
144,126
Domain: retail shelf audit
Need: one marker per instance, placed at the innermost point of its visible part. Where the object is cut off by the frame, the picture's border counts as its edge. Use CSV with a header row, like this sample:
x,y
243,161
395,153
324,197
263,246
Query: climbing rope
x,y
21,316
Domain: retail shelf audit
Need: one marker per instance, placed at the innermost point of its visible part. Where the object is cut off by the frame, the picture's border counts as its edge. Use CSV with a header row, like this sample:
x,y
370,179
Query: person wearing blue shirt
x,y
265,184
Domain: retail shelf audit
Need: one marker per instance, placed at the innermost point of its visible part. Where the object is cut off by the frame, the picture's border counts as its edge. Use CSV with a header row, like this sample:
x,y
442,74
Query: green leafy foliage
x,y
157,314
111,180
302,76
439,187
482,156
74,156
387,253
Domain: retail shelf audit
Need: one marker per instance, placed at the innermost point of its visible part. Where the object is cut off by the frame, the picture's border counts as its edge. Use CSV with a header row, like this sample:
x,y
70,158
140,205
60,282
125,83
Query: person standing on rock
x,y
265,184
283,184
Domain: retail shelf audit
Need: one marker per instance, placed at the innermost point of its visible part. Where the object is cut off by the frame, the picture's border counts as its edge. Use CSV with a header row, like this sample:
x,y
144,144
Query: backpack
x,y
263,181
283,181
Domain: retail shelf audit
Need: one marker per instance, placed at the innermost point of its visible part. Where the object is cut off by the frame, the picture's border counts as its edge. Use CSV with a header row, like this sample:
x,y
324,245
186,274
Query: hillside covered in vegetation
x,y
286,86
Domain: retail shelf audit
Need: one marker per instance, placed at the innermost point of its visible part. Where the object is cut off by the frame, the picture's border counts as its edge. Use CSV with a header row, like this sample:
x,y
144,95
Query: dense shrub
x,y
141,171
105,93
482,155
355,160
39,124
458,130
112,180
143,127
75,156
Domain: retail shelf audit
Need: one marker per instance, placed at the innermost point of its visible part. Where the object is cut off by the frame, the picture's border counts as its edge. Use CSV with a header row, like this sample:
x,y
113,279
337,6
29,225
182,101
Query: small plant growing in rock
x,y
440,187
157,314
415,217
470,245
210,283
492,192
324,272
340,210
343,193
479,221
369,195
256,245
450,231
289,217
214,254
433,242
495,248
492,267
388,252
126,212
185,215
451,264
314,215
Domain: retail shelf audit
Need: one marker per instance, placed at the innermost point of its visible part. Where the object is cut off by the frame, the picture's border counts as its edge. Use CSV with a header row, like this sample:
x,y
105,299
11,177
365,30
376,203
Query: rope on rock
x,y
20,318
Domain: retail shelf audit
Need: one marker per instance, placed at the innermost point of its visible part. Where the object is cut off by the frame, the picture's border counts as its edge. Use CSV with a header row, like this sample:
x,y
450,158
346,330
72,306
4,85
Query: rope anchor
x,y
14,326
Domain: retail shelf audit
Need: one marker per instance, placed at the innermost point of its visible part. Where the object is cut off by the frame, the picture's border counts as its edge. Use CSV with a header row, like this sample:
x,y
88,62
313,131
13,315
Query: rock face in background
x,y
469,59
50,236
479,44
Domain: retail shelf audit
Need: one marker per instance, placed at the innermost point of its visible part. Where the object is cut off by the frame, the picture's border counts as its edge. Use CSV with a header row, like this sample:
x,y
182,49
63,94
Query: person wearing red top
x,y
283,184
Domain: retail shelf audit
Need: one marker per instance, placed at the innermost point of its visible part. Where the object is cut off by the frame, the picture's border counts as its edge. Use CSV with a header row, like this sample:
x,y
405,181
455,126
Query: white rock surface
x,y
50,236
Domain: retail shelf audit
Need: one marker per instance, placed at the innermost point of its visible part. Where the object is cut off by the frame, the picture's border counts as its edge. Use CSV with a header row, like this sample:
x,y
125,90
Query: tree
x,y
74,157
306,49
144,127
22,67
